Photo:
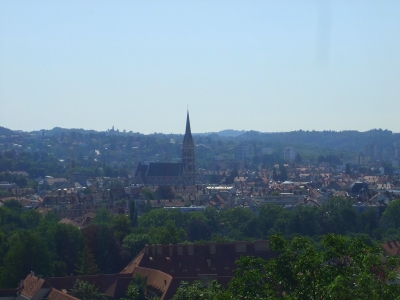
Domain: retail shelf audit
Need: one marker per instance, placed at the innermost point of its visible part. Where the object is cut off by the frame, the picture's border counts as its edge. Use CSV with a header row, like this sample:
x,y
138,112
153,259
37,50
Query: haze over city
x,y
247,65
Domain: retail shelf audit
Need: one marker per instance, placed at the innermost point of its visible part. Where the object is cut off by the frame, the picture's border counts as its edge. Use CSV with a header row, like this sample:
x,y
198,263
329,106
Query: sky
x,y
269,66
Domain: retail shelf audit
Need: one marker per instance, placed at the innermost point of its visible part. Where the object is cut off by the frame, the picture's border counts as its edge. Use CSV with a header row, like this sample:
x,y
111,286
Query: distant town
x,y
121,210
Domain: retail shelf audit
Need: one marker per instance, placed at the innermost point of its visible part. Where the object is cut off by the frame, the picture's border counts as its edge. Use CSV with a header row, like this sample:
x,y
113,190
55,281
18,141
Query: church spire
x,y
188,139
188,132
188,158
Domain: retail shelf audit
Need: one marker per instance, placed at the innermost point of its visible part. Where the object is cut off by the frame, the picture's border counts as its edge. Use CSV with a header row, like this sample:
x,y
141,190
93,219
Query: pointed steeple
x,y
188,132
188,156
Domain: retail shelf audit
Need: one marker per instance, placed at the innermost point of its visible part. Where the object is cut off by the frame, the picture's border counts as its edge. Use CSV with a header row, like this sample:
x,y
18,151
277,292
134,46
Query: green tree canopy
x,y
390,217
86,291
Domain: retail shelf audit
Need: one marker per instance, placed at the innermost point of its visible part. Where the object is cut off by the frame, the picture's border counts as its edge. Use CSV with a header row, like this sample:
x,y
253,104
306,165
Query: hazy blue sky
x,y
261,65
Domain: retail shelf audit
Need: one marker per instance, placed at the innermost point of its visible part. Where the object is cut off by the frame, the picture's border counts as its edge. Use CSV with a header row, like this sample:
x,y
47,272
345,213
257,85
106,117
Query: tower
x,y
188,155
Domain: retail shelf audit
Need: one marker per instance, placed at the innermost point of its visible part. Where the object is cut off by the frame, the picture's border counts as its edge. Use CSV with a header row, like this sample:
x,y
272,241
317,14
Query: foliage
x,y
390,217
86,263
198,230
133,214
26,252
136,289
164,192
105,247
198,291
345,268
102,217
86,291
121,226
148,194
133,243
167,234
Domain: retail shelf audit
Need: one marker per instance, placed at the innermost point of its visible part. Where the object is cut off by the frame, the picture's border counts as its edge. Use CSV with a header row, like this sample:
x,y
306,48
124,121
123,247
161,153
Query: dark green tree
x,y
121,225
134,242
164,192
136,289
26,253
86,263
345,268
390,217
199,291
86,291
133,214
102,217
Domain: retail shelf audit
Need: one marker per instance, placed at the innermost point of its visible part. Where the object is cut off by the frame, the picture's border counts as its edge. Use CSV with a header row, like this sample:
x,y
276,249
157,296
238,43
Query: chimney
x,y
171,249
159,249
191,248
180,249
212,248
59,192
240,246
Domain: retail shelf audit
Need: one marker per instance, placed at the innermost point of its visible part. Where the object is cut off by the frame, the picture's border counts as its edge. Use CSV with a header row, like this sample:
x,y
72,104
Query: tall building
x,y
241,152
289,153
167,173
370,150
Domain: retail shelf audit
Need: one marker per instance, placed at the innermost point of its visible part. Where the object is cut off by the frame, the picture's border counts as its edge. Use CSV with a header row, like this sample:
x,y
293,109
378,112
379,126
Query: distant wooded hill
x,y
350,140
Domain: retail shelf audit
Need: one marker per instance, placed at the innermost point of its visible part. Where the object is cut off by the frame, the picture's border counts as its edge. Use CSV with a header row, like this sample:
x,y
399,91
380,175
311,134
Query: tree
x,y
86,263
26,253
136,289
133,243
168,234
148,194
147,207
14,205
105,247
164,192
198,230
65,244
345,268
133,212
390,217
197,290
121,225
102,217
86,291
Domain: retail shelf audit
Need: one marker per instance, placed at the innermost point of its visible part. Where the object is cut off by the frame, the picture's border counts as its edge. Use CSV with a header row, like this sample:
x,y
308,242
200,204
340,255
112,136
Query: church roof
x,y
165,169
141,170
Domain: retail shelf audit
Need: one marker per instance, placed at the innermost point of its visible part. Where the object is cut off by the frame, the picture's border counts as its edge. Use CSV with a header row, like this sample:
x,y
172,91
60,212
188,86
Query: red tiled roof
x,y
392,247
105,283
32,285
58,295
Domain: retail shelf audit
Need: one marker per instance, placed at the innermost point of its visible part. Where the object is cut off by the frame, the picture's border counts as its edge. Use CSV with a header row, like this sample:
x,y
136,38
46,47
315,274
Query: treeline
x,y
62,151
29,241
336,216
350,140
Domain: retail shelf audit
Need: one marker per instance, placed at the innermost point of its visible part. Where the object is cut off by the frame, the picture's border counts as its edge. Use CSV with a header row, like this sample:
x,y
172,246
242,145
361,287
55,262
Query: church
x,y
173,174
